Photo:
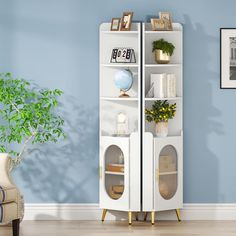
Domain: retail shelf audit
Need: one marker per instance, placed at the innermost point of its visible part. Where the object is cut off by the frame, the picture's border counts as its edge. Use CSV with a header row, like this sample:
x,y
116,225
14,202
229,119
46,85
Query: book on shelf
x,y
164,85
171,85
159,85
115,168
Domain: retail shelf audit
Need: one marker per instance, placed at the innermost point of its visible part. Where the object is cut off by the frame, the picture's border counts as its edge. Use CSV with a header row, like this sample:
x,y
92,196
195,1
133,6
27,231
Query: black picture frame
x,y
225,82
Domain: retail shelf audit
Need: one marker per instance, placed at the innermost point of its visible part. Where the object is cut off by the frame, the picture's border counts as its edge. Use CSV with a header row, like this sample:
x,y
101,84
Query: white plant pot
x,y
162,129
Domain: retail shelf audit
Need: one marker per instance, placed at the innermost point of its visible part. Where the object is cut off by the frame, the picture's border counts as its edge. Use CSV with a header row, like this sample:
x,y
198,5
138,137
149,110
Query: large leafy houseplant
x,y
27,115
160,113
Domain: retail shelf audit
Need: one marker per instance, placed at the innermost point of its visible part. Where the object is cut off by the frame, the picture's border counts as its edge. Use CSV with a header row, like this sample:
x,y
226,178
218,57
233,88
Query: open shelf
x,y
117,137
168,137
119,32
168,173
113,173
162,32
163,65
119,99
162,99
133,65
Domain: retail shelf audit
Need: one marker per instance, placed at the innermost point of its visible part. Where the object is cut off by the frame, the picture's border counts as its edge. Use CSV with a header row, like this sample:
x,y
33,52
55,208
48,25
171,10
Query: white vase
x,y
162,129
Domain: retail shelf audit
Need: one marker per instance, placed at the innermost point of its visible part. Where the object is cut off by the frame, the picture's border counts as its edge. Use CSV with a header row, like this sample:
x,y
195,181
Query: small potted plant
x,y
163,51
160,113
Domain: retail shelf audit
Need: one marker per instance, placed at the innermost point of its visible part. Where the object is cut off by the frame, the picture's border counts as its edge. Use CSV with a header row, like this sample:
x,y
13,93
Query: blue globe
x,y
123,80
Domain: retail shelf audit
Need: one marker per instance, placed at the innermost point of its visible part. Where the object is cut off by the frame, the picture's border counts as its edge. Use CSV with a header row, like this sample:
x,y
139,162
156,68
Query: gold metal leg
x,y
104,212
177,211
145,216
136,216
130,217
153,217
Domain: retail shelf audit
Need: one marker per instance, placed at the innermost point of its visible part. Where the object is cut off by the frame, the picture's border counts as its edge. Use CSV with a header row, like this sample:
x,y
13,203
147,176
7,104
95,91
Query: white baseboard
x,y
92,212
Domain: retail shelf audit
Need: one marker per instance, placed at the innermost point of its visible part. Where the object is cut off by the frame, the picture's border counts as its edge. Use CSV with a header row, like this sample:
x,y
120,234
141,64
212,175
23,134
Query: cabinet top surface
x,y
105,27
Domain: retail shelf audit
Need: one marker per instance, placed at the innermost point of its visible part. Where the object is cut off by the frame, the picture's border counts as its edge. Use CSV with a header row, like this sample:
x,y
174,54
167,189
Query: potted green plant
x,y
160,113
28,116
163,51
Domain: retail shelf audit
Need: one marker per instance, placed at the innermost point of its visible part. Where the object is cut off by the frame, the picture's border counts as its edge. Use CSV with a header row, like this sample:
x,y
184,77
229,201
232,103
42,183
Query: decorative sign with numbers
x,y
123,55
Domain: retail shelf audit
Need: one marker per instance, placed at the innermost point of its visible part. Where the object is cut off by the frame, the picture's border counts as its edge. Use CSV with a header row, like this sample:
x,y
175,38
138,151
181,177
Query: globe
x,y
123,80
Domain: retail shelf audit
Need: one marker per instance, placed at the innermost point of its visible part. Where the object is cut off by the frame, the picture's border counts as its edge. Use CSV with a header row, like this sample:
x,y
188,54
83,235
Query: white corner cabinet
x,y
145,183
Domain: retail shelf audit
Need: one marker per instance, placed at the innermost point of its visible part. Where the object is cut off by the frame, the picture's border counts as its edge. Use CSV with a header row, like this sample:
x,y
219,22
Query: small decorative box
x,y
115,167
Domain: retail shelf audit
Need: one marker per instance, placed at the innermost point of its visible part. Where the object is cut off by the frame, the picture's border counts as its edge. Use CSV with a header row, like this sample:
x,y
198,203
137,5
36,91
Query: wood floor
x,y
110,228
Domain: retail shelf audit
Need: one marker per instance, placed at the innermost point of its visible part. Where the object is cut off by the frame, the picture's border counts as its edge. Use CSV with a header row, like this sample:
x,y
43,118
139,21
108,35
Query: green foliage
x,y
27,115
163,45
161,111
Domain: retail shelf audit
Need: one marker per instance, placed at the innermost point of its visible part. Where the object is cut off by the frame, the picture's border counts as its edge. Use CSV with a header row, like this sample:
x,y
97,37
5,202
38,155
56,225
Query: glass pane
x,y
168,172
114,172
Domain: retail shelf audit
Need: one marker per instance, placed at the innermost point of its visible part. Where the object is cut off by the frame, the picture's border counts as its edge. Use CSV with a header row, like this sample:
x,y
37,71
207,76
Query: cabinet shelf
x,y
119,32
161,99
113,173
163,65
168,137
162,32
131,65
112,136
168,173
119,99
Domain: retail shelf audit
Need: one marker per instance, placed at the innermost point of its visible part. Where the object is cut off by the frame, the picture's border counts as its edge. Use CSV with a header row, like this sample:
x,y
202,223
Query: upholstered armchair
x,y
10,199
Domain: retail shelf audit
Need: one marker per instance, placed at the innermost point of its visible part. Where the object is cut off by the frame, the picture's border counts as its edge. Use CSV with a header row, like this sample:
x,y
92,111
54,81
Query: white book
x,y
171,85
159,85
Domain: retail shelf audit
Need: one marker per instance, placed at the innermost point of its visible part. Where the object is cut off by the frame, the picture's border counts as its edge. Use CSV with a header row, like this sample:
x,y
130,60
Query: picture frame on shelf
x,y
157,24
167,19
115,24
126,21
228,58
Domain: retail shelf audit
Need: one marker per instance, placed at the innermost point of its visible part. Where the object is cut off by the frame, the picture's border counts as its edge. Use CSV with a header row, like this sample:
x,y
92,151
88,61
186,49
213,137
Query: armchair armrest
x,y
5,177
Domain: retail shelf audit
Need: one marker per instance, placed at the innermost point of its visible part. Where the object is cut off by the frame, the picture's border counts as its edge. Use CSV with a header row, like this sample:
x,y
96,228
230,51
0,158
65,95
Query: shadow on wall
x,y
201,117
66,172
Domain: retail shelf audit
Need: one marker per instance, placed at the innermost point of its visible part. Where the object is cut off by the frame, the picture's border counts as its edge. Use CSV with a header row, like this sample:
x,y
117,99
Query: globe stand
x,y
123,94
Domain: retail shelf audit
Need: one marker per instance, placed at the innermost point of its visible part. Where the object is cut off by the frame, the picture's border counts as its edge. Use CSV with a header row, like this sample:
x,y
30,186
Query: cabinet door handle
x,y
100,172
157,175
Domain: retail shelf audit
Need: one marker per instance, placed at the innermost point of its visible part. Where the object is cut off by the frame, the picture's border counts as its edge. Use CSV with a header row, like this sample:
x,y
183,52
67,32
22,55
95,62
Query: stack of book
x,y
115,167
163,85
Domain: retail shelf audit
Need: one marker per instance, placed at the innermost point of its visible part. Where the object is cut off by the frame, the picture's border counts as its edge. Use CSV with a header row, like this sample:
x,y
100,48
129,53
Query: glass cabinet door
x,y
114,174
168,173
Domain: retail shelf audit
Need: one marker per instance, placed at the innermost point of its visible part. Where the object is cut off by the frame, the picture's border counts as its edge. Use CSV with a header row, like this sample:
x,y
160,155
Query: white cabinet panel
x,y
168,169
111,150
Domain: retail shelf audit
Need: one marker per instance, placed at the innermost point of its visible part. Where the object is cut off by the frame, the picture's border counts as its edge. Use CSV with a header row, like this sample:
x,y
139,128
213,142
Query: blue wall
x,y
55,43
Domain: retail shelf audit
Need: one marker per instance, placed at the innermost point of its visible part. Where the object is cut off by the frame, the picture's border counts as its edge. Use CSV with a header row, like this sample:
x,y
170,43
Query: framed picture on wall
x,y
227,58
126,21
